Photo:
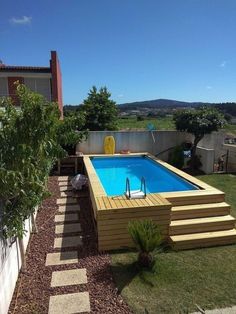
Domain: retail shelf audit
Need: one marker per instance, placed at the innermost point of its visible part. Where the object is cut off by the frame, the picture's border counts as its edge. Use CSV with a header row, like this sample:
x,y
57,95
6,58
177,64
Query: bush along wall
x,y
31,139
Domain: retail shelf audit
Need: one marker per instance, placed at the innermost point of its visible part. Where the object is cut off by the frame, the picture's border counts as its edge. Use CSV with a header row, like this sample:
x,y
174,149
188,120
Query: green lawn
x,y
165,123
159,123
180,280
231,128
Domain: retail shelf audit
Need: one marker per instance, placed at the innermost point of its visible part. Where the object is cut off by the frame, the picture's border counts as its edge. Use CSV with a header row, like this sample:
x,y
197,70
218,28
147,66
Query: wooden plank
x,y
212,206
137,216
120,219
106,202
201,228
118,243
204,235
119,237
152,198
117,203
132,212
198,214
216,242
100,202
124,224
112,203
201,220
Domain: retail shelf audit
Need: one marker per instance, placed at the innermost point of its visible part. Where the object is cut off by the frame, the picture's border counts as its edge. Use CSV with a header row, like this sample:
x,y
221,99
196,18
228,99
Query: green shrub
x,y
147,237
176,157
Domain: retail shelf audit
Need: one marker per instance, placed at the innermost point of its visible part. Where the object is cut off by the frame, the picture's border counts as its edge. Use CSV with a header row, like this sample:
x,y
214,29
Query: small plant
x,y
147,238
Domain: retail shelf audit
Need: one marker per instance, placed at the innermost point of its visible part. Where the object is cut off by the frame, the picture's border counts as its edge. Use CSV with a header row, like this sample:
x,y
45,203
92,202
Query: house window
x,y
3,87
39,85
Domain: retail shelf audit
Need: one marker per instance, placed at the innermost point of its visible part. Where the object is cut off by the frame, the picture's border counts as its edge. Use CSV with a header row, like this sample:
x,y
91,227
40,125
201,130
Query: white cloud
x,y
208,87
223,64
120,95
24,20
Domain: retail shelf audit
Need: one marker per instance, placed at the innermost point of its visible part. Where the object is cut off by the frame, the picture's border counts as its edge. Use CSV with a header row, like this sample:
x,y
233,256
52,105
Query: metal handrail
x,y
128,187
142,188
143,184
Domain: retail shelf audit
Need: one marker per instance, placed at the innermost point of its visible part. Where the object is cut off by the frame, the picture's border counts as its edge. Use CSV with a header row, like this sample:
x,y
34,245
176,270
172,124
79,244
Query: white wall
x,y
209,148
136,141
10,264
215,141
207,157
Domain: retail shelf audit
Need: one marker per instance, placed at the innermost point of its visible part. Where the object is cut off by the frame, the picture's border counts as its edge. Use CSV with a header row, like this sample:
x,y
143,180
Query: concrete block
x,y
66,200
69,303
64,242
68,228
65,188
66,218
62,258
67,194
69,277
67,208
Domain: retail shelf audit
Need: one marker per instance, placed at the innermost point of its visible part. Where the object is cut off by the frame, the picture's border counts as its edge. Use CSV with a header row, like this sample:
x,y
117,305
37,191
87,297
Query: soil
x,y
33,289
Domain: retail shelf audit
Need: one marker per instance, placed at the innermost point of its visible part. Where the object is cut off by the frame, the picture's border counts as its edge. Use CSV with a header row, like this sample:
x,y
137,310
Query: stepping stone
x,y
65,242
66,218
64,183
69,303
65,208
67,194
69,277
68,228
64,178
61,258
65,188
66,200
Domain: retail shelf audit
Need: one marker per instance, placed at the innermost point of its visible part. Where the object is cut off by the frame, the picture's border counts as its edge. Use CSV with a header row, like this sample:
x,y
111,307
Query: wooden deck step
x,y
203,239
206,224
193,198
199,210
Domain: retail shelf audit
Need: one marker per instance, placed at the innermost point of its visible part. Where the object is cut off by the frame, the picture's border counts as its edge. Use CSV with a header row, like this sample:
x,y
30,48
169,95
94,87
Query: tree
x,y
100,112
198,122
30,142
71,131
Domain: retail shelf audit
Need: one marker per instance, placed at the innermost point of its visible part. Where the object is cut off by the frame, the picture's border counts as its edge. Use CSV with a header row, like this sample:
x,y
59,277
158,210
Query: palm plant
x,y
147,237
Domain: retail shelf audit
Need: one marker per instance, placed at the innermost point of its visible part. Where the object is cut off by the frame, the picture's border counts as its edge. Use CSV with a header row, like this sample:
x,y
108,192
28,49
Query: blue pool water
x,y
113,171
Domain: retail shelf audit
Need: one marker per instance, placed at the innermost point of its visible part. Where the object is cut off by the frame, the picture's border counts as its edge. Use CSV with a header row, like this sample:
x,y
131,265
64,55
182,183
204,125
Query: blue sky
x,y
139,49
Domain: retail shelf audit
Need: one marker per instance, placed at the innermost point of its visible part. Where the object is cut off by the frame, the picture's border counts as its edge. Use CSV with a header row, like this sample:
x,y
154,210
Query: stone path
x,y
67,223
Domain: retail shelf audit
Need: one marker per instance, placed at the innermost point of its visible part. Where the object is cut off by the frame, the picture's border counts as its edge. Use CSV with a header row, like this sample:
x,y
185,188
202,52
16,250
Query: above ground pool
x,y
113,171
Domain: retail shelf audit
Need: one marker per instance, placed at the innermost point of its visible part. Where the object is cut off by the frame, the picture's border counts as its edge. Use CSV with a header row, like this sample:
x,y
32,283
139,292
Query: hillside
x,y
228,107
158,103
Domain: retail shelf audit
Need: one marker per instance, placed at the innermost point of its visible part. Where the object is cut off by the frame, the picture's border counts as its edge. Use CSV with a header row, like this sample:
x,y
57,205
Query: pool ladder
x,y
142,193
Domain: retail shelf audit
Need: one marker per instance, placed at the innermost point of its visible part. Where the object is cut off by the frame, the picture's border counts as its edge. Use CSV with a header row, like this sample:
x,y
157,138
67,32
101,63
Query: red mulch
x,y
33,289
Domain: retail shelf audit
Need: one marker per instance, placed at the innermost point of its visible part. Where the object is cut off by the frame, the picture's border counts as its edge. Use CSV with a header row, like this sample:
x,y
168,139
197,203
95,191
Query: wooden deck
x,y
114,214
168,210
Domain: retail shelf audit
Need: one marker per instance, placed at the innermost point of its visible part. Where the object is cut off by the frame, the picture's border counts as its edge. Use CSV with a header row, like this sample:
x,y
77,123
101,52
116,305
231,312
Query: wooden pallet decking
x,y
114,214
189,219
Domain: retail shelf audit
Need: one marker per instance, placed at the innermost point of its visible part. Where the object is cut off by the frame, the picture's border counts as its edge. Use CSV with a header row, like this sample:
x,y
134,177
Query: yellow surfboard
x,y
109,145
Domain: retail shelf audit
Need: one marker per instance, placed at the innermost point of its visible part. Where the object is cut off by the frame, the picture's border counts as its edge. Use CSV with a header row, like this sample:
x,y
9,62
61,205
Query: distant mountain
x,y
227,107
159,103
